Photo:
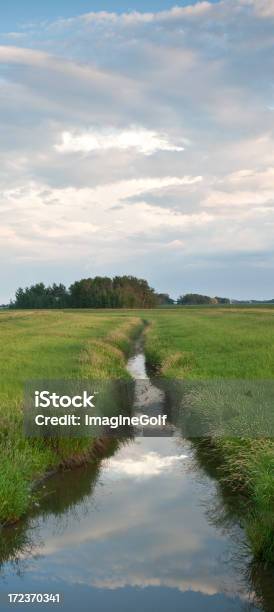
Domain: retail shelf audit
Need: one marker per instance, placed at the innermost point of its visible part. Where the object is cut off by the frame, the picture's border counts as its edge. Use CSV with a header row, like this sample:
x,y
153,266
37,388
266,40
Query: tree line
x,y
197,298
103,292
98,292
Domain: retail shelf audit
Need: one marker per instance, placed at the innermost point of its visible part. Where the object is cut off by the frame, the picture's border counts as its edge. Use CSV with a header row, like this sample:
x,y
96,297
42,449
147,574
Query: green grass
x,y
191,344
50,344
213,342
217,345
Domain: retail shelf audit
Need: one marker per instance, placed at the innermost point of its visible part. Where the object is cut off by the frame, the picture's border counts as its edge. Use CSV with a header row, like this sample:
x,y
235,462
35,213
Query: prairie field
x,y
186,343
227,344
50,344
212,342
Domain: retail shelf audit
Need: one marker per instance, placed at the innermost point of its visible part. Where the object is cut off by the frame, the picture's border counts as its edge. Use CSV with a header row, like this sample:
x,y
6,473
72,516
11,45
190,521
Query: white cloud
x,y
114,193
30,57
147,465
36,218
142,140
252,177
65,74
238,198
135,17
262,8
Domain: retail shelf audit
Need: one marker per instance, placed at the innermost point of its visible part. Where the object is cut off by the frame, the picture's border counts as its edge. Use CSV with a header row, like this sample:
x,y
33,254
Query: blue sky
x,y
139,143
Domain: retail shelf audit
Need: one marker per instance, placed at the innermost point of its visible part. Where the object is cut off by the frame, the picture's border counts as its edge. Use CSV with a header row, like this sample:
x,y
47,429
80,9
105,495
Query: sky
x,y
16,12
137,138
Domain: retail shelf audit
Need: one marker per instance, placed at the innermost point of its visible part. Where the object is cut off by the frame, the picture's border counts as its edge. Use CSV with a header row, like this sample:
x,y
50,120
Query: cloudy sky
x,y
137,137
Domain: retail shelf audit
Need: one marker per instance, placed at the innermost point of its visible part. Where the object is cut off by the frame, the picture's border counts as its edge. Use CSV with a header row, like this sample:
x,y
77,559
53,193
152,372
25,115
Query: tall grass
x,y
221,344
50,344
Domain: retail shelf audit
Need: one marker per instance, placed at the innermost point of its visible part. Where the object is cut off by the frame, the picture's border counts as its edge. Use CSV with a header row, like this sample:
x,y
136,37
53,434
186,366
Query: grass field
x,y
187,343
50,344
226,343
212,342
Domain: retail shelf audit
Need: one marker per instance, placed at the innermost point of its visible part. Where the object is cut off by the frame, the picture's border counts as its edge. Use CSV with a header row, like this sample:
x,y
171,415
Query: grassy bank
x,y
222,344
191,344
50,344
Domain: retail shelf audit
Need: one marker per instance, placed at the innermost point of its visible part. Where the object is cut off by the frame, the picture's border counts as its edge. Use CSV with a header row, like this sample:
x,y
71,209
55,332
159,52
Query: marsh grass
x,y
218,345
53,345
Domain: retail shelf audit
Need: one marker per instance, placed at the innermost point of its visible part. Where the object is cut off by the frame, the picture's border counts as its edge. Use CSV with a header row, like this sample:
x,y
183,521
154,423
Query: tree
x,y
58,296
221,300
97,292
194,298
164,299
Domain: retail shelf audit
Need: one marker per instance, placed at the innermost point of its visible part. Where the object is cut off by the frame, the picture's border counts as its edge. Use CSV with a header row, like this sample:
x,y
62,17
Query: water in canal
x,y
145,529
